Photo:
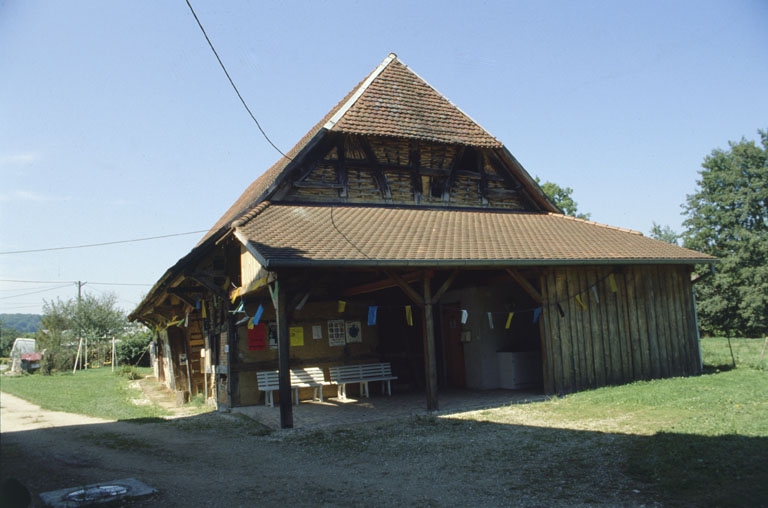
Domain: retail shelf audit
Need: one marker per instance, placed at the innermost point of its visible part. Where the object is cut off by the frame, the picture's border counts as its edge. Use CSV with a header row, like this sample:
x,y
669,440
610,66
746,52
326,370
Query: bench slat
x,y
362,373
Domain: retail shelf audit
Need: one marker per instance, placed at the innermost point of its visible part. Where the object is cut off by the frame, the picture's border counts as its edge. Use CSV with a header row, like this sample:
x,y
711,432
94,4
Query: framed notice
x,y
337,332
317,332
353,332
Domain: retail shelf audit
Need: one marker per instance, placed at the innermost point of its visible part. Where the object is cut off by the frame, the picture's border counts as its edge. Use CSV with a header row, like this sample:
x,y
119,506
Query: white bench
x,y
344,374
310,377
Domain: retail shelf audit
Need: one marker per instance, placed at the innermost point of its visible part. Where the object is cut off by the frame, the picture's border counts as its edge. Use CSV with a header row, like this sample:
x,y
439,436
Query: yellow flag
x,y
203,308
409,315
580,302
509,320
342,306
612,283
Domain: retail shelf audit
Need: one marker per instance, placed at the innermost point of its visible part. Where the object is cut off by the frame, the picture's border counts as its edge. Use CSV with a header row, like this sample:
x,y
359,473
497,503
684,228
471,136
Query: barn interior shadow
x,y
223,454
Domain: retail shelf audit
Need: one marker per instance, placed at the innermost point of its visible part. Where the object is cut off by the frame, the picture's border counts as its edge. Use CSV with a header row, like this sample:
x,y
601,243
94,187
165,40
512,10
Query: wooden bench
x,y
309,377
344,374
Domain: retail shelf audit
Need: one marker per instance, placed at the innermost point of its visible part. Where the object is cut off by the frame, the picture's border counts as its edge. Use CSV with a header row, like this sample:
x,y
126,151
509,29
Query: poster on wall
x,y
296,334
257,338
337,332
272,335
317,332
353,332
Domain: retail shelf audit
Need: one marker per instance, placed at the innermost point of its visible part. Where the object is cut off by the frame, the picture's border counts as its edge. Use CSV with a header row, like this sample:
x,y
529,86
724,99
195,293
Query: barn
x,y
399,232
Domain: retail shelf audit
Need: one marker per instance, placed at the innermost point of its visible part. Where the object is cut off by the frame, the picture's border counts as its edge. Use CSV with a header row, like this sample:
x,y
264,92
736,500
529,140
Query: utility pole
x,y
80,329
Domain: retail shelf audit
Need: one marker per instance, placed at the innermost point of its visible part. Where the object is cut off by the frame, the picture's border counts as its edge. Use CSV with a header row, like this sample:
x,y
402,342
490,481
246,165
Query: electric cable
x,y
47,249
231,82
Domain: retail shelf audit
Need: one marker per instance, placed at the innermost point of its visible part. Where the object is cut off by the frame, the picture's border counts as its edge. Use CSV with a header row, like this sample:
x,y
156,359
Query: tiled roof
x,y
391,101
290,235
398,103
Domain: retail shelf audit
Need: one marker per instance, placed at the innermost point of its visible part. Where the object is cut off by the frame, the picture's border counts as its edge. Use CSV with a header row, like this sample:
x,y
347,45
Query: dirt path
x,y
227,460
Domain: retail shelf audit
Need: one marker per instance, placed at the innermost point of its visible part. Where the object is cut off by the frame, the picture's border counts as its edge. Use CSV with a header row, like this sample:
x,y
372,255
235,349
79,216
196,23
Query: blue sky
x,y
116,122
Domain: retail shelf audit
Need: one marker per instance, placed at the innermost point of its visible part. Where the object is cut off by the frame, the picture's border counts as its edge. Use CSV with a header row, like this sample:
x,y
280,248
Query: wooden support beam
x,y
407,289
527,286
279,300
387,283
207,281
378,174
430,356
446,285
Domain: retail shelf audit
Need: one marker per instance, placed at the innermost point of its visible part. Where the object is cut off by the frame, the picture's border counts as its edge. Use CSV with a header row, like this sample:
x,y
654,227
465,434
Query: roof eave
x,y
277,264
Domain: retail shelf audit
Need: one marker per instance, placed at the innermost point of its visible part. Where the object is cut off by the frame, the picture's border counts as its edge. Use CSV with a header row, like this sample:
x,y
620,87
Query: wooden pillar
x,y
430,358
283,356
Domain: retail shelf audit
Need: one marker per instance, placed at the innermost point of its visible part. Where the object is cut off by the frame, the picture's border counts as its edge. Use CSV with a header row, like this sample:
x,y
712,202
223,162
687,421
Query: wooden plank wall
x,y
645,329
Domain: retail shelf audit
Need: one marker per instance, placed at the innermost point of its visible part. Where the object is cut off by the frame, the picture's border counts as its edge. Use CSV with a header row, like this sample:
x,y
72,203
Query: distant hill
x,y
24,323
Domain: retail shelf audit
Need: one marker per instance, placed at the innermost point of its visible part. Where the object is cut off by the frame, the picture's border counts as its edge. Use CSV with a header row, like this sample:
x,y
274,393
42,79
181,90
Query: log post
x,y
279,299
430,361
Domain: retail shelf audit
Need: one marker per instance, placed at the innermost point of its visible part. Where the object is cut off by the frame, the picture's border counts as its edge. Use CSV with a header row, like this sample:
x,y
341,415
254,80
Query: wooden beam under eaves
x,y
379,285
527,286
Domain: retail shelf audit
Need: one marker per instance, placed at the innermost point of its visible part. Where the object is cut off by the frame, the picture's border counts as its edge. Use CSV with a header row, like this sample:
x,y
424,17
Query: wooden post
x,y
283,356
430,362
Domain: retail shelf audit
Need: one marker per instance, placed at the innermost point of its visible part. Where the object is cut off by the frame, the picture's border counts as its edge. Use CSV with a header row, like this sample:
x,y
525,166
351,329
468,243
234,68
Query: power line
x,y
72,282
48,249
34,292
231,82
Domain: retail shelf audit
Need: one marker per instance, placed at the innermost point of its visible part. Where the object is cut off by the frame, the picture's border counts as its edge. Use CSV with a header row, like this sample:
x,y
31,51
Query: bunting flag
x,y
409,315
580,302
257,316
560,310
197,304
372,310
464,316
205,314
536,314
303,301
509,320
235,294
594,293
186,320
240,308
612,283
490,320
250,323
342,306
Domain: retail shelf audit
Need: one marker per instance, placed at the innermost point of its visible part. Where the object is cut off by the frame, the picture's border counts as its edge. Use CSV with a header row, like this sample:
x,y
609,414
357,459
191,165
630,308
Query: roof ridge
x,y
606,226
359,92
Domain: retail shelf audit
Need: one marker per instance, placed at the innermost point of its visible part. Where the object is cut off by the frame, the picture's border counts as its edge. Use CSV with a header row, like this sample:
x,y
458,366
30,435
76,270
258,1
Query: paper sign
x,y
296,334
257,338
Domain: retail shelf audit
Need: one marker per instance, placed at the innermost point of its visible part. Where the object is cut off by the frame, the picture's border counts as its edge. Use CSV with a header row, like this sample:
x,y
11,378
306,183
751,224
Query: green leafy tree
x,y
728,218
665,234
7,335
133,345
562,197
65,322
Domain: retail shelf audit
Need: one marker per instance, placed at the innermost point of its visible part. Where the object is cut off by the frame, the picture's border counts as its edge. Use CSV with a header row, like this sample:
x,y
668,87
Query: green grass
x,y
93,392
697,441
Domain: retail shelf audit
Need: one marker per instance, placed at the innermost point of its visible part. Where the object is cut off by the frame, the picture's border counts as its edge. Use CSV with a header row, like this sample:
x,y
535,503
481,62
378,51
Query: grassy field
x,y
93,392
699,441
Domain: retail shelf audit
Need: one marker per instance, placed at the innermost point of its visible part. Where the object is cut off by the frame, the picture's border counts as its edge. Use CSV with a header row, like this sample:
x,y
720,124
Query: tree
x,y
561,196
728,218
65,322
664,233
132,348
